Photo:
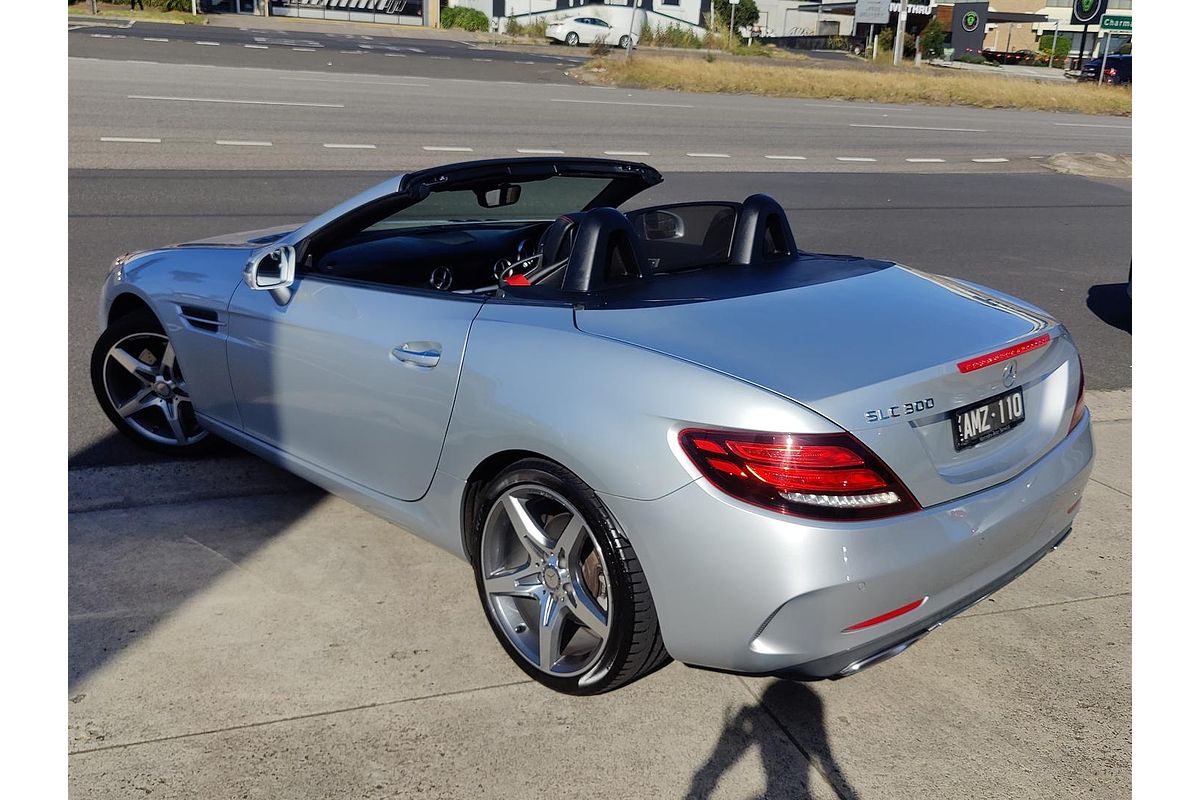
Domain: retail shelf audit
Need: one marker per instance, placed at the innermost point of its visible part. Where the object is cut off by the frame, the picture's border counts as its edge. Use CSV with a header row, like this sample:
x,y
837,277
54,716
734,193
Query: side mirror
x,y
271,269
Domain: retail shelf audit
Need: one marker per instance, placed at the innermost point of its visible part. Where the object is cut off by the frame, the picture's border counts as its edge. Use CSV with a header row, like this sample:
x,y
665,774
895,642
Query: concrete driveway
x,y
238,634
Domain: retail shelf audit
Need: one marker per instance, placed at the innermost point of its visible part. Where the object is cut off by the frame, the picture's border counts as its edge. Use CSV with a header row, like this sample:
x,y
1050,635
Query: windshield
x,y
510,201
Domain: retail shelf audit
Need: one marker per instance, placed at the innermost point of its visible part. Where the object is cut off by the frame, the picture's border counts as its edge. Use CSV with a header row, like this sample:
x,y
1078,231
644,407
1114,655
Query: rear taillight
x,y
822,476
1077,415
1110,71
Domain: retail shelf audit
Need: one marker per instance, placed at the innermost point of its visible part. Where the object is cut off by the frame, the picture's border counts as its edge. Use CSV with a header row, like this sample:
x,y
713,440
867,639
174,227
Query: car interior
x,y
578,252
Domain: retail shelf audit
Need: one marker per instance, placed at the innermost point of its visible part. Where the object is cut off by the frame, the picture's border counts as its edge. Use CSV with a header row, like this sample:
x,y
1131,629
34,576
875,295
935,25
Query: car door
x,y
355,369
356,379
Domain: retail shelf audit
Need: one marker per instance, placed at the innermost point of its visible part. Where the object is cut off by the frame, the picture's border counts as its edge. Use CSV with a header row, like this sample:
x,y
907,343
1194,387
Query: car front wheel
x,y
141,387
561,586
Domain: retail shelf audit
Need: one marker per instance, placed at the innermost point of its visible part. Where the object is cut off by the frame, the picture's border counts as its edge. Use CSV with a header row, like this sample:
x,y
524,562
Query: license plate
x,y
988,419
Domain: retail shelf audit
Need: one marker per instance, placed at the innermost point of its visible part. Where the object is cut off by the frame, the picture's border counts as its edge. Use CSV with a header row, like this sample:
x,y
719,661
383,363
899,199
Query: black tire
x,y
132,325
624,42
572,39
634,647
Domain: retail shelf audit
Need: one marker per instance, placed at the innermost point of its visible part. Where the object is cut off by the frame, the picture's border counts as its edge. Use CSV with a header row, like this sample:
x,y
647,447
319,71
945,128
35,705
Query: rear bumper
x,y
746,590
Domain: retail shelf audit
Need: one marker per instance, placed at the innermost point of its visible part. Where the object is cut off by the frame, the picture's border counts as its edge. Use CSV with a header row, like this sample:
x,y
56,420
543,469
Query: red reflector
x,y
728,467
816,480
973,364
517,280
866,623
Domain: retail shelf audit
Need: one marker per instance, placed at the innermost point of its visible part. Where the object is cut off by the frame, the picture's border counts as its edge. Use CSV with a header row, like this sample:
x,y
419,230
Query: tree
x,y
933,40
744,15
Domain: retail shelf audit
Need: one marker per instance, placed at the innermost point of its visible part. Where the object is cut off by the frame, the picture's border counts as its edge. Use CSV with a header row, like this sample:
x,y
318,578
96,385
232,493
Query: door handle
x,y
419,354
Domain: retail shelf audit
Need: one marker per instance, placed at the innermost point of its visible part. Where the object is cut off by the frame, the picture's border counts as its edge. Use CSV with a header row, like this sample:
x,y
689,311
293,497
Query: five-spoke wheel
x,y
140,385
560,583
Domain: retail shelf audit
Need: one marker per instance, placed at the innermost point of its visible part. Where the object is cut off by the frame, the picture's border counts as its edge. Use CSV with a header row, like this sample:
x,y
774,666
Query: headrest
x,y
606,252
762,232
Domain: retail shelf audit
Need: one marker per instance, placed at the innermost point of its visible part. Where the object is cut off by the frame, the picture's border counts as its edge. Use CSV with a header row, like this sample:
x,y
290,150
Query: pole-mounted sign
x,y
1087,12
1119,24
872,12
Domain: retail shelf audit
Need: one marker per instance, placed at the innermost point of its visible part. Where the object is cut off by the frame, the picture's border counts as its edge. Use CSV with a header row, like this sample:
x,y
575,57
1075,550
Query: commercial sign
x,y
1114,22
872,12
970,21
1088,12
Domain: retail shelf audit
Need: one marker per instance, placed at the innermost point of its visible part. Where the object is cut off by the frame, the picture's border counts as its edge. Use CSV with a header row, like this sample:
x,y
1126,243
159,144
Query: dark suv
x,y
1118,70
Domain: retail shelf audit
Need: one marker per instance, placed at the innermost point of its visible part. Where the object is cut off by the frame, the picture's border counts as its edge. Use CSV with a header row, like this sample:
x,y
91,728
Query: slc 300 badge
x,y
902,410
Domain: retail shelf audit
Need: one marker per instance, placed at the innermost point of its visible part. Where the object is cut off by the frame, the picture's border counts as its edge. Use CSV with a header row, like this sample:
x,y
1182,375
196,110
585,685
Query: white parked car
x,y
586,30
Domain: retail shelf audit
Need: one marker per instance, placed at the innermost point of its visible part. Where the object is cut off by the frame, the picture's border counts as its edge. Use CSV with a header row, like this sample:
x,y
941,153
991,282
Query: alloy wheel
x,y
146,388
545,580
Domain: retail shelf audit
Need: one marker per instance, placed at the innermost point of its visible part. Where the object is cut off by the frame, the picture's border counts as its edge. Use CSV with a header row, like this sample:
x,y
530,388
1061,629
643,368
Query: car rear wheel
x,y
572,38
624,43
561,586
140,385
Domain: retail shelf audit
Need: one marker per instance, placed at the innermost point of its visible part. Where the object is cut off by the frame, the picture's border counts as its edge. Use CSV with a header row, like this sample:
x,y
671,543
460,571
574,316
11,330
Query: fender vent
x,y
204,319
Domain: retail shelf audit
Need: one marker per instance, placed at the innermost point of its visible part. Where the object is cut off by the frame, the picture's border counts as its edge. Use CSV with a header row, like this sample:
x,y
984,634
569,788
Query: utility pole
x,y
901,22
632,14
1104,61
195,11
1054,44
1083,47
732,9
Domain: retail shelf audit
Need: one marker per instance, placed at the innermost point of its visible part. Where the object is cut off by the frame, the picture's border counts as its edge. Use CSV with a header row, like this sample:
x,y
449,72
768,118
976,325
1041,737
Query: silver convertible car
x,y
661,433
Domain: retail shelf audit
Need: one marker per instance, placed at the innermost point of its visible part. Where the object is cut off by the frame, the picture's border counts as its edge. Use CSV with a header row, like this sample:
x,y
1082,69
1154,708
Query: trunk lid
x,y
888,341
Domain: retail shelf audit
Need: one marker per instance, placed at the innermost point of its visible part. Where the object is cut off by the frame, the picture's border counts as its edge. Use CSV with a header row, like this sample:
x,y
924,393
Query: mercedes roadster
x,y
664,432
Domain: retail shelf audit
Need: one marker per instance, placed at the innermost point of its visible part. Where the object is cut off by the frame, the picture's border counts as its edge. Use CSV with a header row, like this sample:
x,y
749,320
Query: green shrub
x,y
933,40
536,28
467,19
744,15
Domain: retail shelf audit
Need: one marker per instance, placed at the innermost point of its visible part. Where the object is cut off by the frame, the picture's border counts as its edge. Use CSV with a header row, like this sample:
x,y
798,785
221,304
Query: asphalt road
x,y
313,116
1061,242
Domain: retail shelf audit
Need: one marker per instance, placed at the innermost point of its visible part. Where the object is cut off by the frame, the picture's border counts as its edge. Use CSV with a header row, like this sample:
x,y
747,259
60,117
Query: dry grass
x,y
150,14
927,85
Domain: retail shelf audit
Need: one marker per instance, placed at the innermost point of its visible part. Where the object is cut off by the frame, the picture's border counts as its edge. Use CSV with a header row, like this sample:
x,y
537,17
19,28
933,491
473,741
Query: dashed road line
x,y
352,52
855,158
101,35
208,44
515,62
395,55
619,103
926,160
356,83
787,158
335,146
488,60
440,58
707,155
1074,124
535,151
626,153
989,160
918,128
305,49
238,143
255,47
154,39
233,102
130,139
439,149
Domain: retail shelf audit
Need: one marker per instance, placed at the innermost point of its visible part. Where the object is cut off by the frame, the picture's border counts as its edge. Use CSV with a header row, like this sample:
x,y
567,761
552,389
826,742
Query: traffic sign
x,y
872,12
1115,22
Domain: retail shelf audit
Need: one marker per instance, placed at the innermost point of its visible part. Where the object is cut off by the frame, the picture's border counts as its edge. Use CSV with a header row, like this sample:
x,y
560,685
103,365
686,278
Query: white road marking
x,y
449,149
350,146
1074,124
131,139
440,58
919,128
256,46
395,55
154,39
236,143
619,103
356,83
352,52
989,160
707,155
788,158
305,49
101,36
533,151
525,62
855,158
481,59
626,153
416,50
234,102
1035,158
209,44
926,160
